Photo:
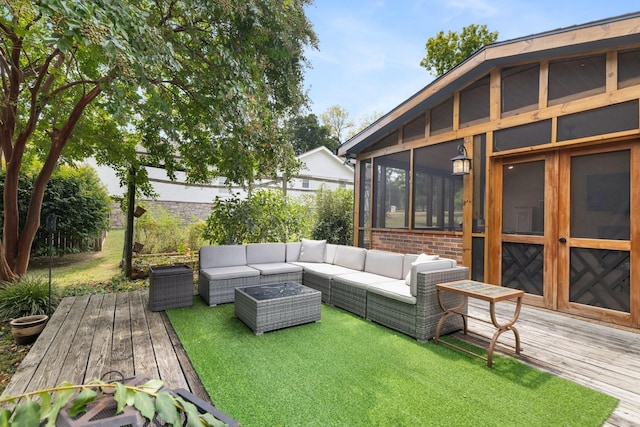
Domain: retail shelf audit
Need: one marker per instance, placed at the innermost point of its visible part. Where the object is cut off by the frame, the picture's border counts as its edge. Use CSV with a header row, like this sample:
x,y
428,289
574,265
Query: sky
x,y
369,51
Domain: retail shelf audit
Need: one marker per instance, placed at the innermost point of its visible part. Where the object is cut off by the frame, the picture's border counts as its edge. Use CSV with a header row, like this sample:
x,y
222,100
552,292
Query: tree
x,y
336,119
306,133
446,51
201,85
334,216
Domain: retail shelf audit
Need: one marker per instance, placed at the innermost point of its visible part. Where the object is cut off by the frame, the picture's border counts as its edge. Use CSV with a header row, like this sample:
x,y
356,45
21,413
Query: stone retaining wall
x,y
186,211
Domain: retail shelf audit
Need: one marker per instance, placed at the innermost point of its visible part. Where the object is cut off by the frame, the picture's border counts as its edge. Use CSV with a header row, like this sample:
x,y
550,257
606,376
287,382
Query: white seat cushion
x,y
324,270
276,268
396,290
360,279
232,272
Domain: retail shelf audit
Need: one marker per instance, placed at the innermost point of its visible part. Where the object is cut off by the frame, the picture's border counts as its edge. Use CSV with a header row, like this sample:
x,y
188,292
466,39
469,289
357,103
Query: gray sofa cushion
x,y
293,251
330,253
350,257
222,256
360,279
262,253
276,268
232,272
312,250
324,270
384,263
396,290
406,265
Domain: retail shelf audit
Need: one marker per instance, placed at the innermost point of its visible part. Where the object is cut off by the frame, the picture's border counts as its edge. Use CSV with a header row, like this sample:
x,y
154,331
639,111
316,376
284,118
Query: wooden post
x,y
128,235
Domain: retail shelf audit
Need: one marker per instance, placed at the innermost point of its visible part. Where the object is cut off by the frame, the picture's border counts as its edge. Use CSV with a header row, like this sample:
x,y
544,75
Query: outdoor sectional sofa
x,y
392,289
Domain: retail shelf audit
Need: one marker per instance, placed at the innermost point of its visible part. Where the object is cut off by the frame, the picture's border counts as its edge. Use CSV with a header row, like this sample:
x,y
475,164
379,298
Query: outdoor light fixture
x,y
139,211
461,162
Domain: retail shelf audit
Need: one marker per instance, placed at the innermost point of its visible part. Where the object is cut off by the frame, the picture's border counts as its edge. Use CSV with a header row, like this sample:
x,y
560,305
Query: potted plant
x,y
27,303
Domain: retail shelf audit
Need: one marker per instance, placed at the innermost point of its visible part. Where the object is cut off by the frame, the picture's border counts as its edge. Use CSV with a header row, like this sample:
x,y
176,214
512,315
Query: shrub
x,y
27,296
334,216
160,231
77,198
265,216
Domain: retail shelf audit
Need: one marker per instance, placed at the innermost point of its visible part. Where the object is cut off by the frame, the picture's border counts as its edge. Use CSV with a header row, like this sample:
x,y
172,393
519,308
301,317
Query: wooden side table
x,y
484,292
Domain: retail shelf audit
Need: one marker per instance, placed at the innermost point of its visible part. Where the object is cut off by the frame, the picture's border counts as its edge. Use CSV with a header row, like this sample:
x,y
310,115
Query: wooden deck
x,y
88,336
597,356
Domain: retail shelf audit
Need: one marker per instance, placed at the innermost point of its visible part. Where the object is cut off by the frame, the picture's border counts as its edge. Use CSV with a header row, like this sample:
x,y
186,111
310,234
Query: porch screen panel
x,y
576,78
437,195
600,278
365,194
520,88
523,198
628,68
414,130
442,117
477,259
599,121
391,188
474,102
479,182
528,135
600,196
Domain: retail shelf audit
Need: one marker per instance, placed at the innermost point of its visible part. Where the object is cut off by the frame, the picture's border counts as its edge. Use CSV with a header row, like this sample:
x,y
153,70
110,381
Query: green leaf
x,y
79,403
144,404
5,415
152,386
62,398
166,408
27,415
212,421
121,397
45,404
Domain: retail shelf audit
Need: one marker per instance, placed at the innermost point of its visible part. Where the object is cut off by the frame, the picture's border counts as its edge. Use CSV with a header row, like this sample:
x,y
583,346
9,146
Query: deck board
x,y
597,356
90,336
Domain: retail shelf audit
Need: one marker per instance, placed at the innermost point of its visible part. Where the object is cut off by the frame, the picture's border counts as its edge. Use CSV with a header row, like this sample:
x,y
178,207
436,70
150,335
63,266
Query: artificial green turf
x,y
345,371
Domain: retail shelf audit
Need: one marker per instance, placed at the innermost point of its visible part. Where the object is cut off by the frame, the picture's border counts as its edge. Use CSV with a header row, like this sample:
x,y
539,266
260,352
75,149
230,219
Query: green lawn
x,y
344,371
86,267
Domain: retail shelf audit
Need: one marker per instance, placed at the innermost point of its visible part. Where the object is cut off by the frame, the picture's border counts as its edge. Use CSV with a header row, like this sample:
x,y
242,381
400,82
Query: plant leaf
x,y
79,403
191,412
144,404
27,414
211,420
121,397
45,404
152,385
5,415
166,408
62,398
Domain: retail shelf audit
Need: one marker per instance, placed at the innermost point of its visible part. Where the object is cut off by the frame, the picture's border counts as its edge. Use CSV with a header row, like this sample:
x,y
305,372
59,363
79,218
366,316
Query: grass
x,y
346,371
86,267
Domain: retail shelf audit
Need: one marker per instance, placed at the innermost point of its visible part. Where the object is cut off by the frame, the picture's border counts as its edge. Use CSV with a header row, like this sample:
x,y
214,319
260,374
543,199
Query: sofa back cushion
x,y
263,253
330,253
384,263
293,251
312,250
406,265
350,257
222,256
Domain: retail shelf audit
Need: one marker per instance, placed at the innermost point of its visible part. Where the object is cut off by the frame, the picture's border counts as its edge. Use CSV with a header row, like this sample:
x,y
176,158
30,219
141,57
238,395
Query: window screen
x,y
522,136
387,141
520,88
442,117
390,191
414,130
577,77
615,118
628,68
474,102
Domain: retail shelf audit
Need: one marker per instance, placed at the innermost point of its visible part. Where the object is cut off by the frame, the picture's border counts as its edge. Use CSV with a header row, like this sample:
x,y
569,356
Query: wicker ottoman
x,y
170,286
275,306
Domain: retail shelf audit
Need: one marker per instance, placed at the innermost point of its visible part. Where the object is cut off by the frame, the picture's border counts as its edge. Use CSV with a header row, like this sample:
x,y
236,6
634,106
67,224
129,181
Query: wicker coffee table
x,y
280,305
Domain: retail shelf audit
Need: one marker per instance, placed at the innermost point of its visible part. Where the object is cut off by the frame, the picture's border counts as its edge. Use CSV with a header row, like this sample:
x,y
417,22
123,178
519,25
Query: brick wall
x,y
445,245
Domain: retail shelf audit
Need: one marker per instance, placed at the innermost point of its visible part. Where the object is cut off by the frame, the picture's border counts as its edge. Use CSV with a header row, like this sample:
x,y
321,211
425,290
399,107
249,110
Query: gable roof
x,y
595,35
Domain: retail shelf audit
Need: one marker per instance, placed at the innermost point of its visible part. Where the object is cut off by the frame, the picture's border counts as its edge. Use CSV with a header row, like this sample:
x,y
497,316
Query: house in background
x,y
320,167
551,125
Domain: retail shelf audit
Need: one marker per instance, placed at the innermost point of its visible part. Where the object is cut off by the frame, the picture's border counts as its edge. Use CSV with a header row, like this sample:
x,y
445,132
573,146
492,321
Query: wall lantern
x,y
139,211
461,162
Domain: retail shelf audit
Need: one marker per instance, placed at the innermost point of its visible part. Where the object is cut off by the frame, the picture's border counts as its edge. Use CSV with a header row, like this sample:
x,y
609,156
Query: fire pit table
x,y
280,305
